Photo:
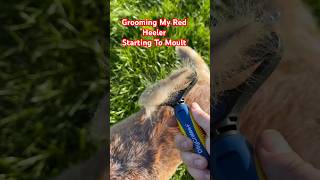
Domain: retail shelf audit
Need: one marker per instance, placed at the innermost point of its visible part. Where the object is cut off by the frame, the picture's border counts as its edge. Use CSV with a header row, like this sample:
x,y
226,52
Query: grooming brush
x,y
187,124
233,157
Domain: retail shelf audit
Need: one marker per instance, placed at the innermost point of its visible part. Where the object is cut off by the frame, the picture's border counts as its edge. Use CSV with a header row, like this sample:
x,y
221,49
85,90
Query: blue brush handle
x,y
191,129
233,159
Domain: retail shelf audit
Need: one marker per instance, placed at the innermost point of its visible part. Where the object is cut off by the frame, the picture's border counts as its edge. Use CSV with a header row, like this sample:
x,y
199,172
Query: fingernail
x,y
199,163
274,142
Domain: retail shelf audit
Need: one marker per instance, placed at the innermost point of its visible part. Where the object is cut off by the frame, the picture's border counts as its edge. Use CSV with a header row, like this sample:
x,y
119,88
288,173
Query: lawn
x,y
52,78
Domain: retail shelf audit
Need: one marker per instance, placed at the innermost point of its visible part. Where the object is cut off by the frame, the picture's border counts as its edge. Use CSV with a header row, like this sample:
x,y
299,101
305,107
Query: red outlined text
x,y
155,32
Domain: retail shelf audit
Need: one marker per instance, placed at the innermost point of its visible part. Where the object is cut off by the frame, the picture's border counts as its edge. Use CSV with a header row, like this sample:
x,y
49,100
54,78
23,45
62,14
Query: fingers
x,y
201,117
273,141
195,163
193,160
199,174
279,161
183,143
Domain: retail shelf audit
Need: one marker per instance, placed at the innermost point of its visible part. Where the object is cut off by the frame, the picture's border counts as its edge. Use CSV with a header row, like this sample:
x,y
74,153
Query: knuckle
x,y
299,167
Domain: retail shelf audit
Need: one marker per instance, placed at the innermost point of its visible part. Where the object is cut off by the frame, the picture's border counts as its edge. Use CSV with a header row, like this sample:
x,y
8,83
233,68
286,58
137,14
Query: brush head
x,y
231,102
179,94
170,91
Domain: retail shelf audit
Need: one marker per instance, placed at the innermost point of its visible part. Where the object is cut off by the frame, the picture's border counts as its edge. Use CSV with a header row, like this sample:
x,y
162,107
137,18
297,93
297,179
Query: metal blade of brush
x,y
175,97
232,102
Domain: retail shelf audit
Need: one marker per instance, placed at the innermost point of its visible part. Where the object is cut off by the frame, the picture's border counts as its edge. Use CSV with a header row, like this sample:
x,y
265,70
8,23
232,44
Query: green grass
x,y
315,7
52,77
135,68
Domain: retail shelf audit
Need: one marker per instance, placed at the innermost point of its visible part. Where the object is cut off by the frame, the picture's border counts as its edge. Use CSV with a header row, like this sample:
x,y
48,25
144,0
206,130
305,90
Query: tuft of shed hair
x,y
165,91
161,92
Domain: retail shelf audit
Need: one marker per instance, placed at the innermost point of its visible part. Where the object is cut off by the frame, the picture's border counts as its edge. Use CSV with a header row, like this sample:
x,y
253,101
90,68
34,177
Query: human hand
x,y
195,163
280,162
277,158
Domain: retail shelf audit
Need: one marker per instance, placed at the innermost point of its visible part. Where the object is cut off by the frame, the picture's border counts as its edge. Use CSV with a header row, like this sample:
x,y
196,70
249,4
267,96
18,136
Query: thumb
x,y
280,162
201,117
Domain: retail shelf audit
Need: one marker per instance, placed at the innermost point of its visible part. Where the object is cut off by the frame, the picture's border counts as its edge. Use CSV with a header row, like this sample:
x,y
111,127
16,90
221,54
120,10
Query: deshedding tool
x,y
233,157
187,125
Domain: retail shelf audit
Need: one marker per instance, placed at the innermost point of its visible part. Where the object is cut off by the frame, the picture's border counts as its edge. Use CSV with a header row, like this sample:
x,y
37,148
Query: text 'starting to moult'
x,y
157,32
